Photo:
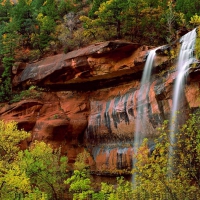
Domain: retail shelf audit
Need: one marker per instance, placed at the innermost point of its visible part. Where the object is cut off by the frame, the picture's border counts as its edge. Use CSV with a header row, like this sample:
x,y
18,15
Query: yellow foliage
x,y
195,20
197,44
13,179
82,160
10,137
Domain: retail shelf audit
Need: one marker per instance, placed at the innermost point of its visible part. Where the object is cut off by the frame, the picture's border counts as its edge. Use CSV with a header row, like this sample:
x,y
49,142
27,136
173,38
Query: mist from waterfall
x,y
140,125
186,57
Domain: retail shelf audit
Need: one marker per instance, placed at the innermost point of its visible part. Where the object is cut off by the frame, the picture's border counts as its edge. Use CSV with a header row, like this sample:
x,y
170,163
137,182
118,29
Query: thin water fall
x,y
142,97
141,106
185,59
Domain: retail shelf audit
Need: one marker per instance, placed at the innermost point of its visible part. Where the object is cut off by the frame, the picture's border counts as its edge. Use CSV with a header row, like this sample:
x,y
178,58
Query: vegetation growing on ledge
x,y
32,93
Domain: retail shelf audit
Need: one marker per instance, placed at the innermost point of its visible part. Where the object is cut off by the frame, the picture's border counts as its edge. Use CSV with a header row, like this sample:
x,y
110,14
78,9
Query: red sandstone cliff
x,y
89,100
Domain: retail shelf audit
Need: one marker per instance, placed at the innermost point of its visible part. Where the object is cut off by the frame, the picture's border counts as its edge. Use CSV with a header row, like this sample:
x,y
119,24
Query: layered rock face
x,y
89,100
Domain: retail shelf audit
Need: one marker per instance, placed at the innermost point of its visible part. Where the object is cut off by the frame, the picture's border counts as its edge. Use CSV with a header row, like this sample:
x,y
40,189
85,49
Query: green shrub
x,y
31,93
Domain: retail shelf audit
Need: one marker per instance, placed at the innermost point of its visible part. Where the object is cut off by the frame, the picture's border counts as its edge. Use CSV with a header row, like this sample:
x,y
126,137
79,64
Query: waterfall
x,y
140,125
185,58
142,97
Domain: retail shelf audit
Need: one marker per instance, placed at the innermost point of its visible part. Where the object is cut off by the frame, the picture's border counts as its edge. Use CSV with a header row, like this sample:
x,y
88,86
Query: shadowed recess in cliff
x,y
93,84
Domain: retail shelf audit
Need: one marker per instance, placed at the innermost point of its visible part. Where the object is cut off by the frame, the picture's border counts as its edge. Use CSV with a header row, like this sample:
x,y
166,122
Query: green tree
x,y
81,161
65,6
46,25
45,168
95,6
112,13
131,20
8,41
37,5
170,19
6,84
152,23
107,22
80,184
5,8
23,18
134,23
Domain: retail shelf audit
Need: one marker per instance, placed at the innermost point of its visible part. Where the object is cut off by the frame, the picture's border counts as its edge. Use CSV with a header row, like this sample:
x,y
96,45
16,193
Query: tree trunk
x,y
119,30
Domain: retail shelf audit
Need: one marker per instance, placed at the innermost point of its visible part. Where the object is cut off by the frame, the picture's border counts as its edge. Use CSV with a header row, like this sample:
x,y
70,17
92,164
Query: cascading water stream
x,y
142,96
185,58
